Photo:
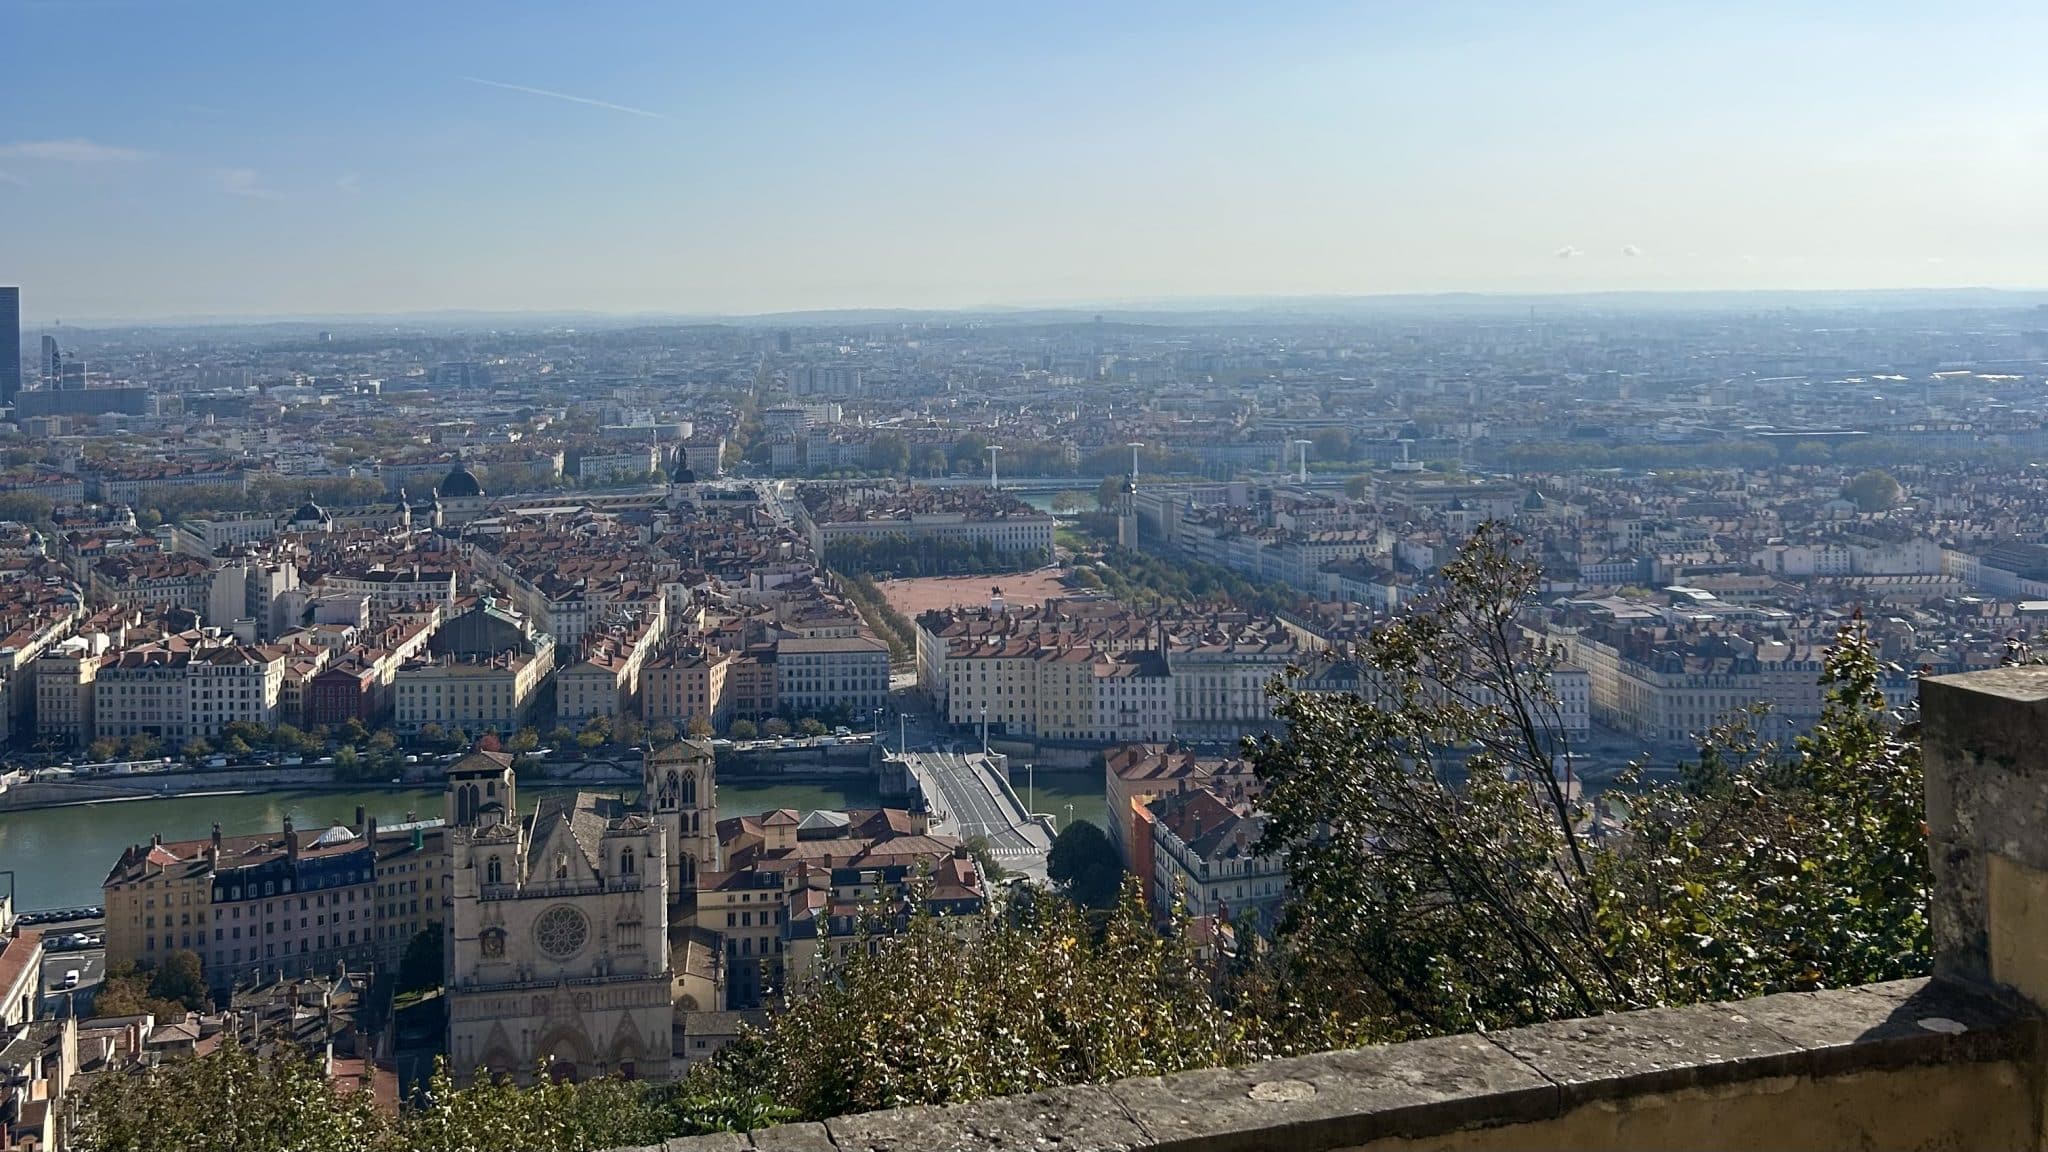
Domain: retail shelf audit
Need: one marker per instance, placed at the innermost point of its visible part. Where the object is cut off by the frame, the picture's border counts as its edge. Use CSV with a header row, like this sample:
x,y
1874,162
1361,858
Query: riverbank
x,y
60,855
833,766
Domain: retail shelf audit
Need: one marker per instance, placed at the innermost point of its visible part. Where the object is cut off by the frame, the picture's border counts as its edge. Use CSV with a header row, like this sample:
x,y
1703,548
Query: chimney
x,y
291,839
214,854
359,816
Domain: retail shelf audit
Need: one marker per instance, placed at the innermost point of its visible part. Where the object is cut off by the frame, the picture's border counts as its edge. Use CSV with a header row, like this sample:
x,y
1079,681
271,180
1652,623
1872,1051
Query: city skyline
x,y
238,161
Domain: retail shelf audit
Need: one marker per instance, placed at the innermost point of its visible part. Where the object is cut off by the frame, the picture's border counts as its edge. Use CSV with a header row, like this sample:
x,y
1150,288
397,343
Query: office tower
x,y
50,365
10,344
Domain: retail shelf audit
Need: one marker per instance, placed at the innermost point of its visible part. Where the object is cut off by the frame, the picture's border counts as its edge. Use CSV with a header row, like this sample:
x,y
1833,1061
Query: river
x,y
60,855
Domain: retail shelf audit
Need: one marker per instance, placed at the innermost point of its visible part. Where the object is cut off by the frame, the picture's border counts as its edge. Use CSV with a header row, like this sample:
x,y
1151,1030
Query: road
x,y
970,800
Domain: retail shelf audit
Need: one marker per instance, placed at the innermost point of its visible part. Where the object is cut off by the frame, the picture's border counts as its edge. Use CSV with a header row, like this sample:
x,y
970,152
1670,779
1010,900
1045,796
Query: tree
x,y
353,732
196,748
888,453
1422,905
743,730
700,728
142,746
525,740
776,726
1331,444
231,1099
178,978
383,741
946,1012
104,749
1106,493
488,742
421,966
811,726
1085,865
1873,491
1358,487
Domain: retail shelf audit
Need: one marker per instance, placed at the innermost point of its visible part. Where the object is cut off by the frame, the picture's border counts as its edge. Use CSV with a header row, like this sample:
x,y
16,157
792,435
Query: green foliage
x,y
1421,906
812,726
874,608
231,1099
227,1101
1142,579
1085,865
743,730
926,556
950,1011
1772,869
180,979
421,966
104,749
196,749
888,453
1873,491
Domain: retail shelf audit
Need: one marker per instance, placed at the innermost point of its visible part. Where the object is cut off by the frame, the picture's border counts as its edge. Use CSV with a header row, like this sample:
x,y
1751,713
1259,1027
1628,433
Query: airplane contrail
x,y
626,108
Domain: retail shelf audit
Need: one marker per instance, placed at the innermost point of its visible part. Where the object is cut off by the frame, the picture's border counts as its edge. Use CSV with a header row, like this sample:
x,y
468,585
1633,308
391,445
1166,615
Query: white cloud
x,y
626,108
244,182
73,151
350,182
1631,250
1569,252
11,178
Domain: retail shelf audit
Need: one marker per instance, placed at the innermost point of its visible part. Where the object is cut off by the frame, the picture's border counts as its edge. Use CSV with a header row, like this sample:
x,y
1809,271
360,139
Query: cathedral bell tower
x,y
481,789
679,789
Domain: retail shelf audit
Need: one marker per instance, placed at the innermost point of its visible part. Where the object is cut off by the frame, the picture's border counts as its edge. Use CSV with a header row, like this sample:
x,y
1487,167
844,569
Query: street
x,y
969,801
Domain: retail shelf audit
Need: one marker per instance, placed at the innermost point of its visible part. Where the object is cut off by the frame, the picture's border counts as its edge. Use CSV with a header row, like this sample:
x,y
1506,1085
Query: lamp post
x,y
1030,788
992,450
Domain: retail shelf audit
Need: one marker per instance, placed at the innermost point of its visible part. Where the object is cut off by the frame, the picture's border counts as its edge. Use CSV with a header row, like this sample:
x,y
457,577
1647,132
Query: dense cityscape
x,y
555,585
1125,577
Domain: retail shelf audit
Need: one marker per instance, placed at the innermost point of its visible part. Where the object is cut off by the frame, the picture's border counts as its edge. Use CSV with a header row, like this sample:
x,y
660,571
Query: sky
x,y
181,158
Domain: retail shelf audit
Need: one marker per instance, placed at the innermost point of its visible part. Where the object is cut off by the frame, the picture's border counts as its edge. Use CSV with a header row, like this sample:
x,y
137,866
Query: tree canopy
x,y
1085,865
1873,491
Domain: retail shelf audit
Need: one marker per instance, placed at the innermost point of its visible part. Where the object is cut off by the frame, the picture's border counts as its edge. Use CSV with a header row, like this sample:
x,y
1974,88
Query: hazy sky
x,y
183,158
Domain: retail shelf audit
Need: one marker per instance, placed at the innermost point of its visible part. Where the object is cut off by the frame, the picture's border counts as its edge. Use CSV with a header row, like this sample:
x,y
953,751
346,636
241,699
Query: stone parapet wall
x,y
1906,1065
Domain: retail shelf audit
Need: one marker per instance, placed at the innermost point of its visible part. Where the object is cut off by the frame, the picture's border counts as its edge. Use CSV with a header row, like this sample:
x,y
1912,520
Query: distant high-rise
x,y
10,344
50,365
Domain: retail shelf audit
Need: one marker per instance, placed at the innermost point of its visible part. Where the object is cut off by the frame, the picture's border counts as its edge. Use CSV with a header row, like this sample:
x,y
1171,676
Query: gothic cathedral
x,y
558,945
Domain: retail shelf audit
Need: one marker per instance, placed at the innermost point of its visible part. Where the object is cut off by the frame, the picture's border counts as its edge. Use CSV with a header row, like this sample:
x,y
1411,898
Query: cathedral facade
x,y
559,944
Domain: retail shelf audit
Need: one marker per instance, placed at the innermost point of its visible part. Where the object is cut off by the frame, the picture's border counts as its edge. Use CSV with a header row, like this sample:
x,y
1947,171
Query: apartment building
x,y
688,685
840,675
186,687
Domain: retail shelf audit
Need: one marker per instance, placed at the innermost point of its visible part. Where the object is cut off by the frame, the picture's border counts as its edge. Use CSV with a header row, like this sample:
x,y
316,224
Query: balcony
x,y
555,889
1952,1061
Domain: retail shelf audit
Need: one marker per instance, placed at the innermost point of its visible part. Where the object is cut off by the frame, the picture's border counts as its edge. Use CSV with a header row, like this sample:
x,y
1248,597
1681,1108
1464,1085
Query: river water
x,y
60,855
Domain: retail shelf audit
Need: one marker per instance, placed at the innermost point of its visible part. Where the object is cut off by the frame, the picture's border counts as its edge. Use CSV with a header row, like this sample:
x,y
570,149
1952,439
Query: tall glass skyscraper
x,y
10,344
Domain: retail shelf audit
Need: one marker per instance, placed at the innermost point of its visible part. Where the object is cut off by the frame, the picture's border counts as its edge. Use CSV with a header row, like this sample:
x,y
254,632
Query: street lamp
x,y
992,450
1030,788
